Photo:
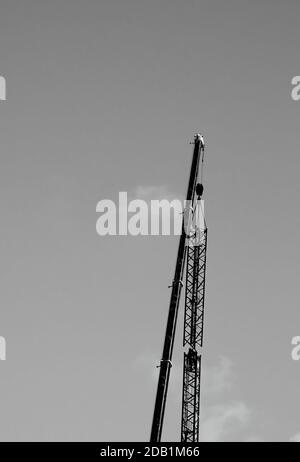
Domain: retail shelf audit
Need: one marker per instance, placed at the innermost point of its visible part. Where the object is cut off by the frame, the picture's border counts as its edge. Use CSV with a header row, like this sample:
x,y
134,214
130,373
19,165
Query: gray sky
x,y
104,96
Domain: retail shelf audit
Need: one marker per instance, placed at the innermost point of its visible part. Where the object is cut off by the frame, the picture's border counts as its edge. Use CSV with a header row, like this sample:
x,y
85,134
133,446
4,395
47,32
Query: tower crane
x,y
191,261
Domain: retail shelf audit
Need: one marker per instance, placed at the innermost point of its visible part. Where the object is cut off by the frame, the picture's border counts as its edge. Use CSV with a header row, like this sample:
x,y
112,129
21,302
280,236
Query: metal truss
x,y
195,289
193,333
191,397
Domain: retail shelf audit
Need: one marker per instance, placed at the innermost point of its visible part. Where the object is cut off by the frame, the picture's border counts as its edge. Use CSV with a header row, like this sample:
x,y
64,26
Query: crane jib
x,y
165,363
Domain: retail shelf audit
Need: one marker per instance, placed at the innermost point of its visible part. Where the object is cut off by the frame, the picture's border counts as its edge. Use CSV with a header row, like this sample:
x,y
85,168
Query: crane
x,y
192,252
193,327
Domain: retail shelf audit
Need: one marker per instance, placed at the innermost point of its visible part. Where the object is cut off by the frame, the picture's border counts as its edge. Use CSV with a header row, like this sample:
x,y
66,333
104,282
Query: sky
x,y
105,96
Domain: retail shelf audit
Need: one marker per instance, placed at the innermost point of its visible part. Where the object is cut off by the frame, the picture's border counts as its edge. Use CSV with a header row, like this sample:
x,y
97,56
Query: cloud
x,y
295,438
222,417
219,378
254,439
221,420
152,192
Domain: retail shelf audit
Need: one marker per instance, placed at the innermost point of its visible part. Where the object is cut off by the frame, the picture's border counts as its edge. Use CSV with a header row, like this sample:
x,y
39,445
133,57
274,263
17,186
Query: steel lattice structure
x,y
191,396
195,289
193,333
191,256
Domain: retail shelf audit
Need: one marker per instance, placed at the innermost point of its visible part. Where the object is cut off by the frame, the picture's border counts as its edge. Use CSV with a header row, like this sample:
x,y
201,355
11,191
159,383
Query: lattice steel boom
x,y
165,363
193,333
191,396
192,252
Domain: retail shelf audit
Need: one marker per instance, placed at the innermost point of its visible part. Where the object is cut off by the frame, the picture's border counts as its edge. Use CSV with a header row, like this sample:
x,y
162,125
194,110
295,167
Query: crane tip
x,y
199,137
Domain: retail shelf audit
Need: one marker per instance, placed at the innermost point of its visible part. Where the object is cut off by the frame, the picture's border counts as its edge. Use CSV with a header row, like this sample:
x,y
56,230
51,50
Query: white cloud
x,y
295,438
222,420
151,192
254,439
218,378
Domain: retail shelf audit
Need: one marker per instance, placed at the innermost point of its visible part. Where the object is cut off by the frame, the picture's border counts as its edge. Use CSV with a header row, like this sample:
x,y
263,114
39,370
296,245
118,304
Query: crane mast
x,y
193,328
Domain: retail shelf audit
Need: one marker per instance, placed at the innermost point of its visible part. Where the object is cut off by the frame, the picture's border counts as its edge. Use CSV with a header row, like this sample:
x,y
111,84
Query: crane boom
x,y
165,363
193,333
